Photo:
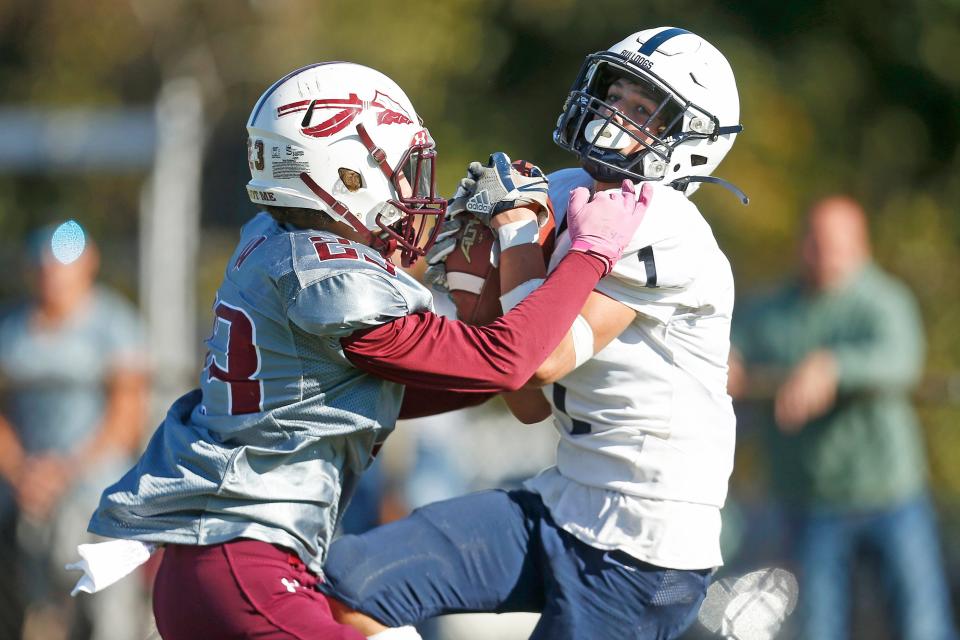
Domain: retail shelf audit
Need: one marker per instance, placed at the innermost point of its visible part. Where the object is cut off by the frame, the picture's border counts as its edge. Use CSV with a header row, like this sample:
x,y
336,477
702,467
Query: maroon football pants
x,y
240,589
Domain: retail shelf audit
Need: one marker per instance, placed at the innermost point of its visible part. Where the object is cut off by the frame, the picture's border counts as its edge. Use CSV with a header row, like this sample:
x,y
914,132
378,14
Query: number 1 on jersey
x,y
577,427
244,391
645,255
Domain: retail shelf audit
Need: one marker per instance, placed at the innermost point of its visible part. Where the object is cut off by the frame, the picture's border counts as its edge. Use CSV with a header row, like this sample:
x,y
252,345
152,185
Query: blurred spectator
x,y
72,408
833,356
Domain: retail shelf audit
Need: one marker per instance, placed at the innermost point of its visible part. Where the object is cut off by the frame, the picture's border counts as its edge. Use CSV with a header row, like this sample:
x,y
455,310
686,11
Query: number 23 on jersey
x,y
239,371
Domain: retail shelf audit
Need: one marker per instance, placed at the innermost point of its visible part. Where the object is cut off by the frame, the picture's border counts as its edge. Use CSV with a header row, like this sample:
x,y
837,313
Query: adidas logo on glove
x,y
479,202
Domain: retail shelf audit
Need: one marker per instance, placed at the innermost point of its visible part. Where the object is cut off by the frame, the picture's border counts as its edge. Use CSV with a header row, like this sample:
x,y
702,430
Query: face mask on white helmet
x,y
660,105
344,139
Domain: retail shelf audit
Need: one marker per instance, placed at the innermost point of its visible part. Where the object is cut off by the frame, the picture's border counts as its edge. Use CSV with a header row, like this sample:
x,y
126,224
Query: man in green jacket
x,y
833,356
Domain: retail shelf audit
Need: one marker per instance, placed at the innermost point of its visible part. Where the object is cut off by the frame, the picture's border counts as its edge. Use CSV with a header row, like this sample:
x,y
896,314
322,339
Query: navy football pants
x,y
500,551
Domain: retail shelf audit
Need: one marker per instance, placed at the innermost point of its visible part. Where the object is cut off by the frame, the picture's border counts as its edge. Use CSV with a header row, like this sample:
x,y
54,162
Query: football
x,y
473,281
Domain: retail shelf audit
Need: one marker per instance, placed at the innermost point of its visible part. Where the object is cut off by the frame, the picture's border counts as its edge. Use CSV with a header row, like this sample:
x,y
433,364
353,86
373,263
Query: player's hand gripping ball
x,y
499,186
460,260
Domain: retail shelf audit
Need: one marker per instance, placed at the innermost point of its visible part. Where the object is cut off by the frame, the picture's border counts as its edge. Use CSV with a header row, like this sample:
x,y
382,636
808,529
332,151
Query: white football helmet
x,y
693,87
344,139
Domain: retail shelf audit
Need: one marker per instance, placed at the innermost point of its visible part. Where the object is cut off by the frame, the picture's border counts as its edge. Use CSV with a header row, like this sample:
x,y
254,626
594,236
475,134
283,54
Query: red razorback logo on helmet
x,y
346,109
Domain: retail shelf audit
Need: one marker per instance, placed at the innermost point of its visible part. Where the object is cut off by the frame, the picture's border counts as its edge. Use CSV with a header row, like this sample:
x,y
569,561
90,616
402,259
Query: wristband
x,y
514,234
582,334
397,633
516,295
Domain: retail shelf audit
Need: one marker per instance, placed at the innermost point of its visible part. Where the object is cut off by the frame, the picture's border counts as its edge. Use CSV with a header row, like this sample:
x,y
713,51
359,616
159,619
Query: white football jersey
x,y
646,426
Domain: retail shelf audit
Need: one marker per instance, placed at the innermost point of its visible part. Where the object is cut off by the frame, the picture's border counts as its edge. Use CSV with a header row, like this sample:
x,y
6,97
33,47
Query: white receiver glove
x,y
435,275
499,186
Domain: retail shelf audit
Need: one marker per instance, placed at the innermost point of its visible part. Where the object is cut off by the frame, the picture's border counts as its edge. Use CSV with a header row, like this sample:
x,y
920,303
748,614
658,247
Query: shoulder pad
x,y
663,258
316,254
346,286
347,301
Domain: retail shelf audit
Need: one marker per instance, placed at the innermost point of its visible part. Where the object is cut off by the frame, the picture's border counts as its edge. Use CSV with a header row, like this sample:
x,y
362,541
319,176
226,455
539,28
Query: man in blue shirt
x,y
72,406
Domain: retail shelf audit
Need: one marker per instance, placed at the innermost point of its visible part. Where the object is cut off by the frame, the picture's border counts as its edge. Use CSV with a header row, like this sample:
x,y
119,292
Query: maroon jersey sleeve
x,y
419,402
432,352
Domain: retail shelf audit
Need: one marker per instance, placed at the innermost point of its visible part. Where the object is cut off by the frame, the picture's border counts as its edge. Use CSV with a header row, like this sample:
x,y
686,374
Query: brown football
x,y
474,283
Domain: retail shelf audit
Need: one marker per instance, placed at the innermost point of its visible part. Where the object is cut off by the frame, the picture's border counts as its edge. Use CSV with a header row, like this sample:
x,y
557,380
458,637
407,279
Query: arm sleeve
x,y
889,353
432,352
419,402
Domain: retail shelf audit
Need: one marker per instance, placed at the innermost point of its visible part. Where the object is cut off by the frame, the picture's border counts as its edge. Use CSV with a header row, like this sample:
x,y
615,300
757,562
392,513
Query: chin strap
x,y
681,184
723,131
385,246
378,154
601,172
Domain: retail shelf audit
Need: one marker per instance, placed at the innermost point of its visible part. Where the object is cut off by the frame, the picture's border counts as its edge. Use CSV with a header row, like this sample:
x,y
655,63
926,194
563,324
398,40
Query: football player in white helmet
x,y
362,156
319,344
655,106
619,539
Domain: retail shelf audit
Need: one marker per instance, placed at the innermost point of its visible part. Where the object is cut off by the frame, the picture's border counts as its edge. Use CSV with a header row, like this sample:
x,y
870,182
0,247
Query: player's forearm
x,y
561,361
521,257
521,268
601,320
428,351
519,265
527,405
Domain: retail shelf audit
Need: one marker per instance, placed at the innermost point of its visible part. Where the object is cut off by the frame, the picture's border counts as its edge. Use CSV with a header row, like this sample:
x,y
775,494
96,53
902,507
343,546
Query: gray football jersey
x,y
270,445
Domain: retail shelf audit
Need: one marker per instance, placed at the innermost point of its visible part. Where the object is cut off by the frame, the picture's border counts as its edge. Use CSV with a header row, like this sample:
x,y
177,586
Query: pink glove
x,y
604,226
